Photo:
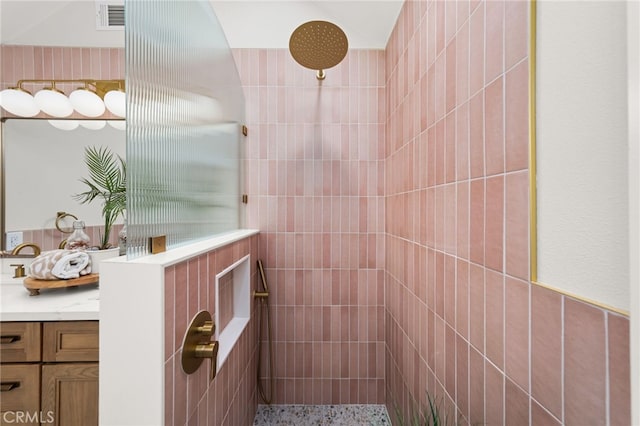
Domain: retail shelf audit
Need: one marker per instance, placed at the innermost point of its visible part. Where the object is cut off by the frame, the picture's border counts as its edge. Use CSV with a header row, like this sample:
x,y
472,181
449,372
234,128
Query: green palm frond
x,y
107,181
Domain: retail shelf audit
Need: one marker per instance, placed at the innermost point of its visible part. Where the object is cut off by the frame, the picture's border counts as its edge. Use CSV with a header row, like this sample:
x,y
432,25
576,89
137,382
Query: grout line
x,y
607,380
562,357
529,390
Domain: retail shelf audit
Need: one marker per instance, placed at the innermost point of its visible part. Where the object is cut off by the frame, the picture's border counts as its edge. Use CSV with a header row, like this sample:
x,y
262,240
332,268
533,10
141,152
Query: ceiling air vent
x,y
109,16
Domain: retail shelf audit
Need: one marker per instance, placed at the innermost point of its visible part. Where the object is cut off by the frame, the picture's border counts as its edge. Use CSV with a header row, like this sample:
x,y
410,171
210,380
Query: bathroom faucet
x,y
19,247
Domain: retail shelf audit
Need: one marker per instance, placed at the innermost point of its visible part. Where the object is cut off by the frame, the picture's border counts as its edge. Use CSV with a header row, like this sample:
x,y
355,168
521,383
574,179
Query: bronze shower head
x,y
318,45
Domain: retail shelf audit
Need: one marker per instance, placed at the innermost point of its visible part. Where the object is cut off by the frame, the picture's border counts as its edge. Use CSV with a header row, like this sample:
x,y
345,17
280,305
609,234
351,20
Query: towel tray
x,y
35,285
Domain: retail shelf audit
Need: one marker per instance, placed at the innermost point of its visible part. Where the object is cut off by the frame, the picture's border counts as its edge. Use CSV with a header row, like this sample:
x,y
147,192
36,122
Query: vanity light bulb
x,y
115,101
54,103
117,124
64,124
87,102
19,102
93,124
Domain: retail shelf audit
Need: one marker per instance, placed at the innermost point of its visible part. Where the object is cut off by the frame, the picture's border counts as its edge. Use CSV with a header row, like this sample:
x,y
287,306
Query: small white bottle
x,y
78,240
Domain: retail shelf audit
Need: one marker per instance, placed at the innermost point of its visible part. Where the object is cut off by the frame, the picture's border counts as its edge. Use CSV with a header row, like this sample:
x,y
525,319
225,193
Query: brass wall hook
x,y
197,346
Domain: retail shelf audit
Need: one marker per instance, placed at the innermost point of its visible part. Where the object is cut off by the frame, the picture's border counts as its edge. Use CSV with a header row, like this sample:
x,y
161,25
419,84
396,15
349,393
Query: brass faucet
x,y
19,247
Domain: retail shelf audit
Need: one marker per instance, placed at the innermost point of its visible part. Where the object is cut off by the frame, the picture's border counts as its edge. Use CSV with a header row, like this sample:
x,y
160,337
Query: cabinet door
x,y
70,392
70,341
20,400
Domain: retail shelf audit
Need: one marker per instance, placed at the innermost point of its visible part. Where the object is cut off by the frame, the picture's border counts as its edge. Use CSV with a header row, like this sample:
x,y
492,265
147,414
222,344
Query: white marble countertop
x,y
59,304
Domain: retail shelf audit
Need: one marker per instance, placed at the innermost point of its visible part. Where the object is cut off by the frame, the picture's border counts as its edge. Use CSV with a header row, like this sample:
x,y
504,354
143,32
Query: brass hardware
x,y
8,386
318,45
59,217
62,244
5,340
264,298
245,198
197,346
207,329
158,244
101,87
245,130
19,272
209,350
263,277
19,247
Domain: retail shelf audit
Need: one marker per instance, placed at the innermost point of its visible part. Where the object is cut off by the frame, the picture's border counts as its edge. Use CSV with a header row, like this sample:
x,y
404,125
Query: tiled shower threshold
x,y
316,415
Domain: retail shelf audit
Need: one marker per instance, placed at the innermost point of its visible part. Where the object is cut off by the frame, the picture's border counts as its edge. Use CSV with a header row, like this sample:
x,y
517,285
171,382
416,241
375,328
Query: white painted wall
x,y
247,24
268,24
55,23
582,143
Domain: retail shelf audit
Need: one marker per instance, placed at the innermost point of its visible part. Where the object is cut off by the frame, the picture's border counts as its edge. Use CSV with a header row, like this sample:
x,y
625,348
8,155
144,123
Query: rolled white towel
x,y
72,265
60,264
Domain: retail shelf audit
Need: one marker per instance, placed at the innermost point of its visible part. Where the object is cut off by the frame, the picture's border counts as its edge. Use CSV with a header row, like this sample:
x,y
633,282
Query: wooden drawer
x,y
20,393
70,341
20,341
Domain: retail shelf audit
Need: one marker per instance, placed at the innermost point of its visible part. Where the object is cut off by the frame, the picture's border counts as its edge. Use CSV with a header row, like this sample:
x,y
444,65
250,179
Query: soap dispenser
x,y
78,240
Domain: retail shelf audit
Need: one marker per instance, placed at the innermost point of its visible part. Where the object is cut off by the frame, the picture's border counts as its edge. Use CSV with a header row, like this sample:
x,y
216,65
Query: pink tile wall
x,y
462,320
60,63
315,180
50,238
230,399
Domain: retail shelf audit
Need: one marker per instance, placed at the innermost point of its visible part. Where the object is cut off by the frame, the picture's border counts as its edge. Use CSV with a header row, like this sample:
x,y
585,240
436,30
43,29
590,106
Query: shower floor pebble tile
x,y
316,415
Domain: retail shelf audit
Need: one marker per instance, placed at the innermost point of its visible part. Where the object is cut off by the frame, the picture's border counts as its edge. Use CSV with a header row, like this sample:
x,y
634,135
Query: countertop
x,y
61,304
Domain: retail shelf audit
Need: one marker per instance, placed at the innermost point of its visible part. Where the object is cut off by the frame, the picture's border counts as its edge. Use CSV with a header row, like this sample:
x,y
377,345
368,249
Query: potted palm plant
x,y
107,182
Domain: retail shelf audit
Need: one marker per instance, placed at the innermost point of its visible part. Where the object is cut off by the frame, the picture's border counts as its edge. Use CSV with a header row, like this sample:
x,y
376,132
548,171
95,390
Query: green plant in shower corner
x,y
107,182
432,415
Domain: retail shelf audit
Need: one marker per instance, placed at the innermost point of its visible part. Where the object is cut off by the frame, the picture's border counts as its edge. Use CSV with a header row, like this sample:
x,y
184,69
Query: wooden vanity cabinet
x,y
51,379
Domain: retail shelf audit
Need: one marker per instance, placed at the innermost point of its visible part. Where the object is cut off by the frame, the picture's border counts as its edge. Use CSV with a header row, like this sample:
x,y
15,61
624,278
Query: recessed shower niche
x,y
232,306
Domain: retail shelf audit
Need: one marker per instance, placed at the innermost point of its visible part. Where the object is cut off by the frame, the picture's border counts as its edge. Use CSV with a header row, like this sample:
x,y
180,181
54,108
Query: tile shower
x,y
393,207
315,185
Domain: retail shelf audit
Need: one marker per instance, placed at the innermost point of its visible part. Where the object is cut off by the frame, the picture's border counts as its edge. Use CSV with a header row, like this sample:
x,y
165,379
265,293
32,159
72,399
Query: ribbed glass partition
x,y
185,110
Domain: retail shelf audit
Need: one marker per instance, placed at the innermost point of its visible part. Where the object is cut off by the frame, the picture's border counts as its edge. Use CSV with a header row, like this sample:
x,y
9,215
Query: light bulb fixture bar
x,y
89,100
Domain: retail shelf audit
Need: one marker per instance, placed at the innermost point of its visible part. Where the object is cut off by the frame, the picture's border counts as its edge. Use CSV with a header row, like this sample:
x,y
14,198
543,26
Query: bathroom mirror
x,y
42,168
94,49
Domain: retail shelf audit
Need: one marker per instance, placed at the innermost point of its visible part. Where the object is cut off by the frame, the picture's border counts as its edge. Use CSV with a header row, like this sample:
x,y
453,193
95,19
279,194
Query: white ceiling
x,y
247,24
